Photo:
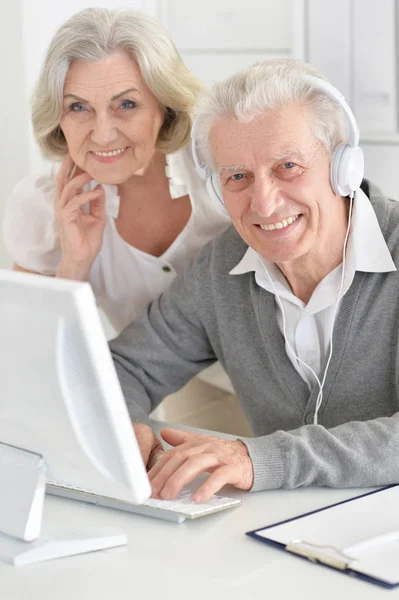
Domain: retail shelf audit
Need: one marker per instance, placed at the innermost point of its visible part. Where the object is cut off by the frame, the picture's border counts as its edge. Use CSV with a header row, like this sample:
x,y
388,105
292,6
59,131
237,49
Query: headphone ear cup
x,y
346,169
355,171
334,167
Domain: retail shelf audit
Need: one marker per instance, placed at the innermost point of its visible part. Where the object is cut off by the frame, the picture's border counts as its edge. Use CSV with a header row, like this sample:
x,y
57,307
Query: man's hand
x,y
227,461
150,446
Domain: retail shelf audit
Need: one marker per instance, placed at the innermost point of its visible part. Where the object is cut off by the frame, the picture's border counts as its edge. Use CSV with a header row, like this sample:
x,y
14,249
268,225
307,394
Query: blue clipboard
x,y
358,537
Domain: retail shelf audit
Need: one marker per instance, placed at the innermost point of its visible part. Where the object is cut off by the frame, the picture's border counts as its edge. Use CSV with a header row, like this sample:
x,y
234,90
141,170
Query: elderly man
x,y
298,301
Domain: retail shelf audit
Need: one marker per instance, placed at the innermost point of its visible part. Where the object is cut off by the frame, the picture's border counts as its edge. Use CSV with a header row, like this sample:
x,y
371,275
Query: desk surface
x,y
198,560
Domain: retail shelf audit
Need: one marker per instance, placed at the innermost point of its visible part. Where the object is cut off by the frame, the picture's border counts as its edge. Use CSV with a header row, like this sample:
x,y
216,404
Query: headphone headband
x,y
201,168
334,94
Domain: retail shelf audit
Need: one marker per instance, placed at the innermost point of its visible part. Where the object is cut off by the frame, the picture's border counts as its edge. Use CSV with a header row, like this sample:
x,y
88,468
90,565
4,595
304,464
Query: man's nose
x,y
266,196
104,131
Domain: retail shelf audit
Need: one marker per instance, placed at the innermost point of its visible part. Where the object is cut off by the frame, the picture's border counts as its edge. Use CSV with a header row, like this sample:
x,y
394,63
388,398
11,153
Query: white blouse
x,y
124,279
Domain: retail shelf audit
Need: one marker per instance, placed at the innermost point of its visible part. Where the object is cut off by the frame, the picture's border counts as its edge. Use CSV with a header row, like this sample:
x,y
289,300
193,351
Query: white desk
x,y
205,559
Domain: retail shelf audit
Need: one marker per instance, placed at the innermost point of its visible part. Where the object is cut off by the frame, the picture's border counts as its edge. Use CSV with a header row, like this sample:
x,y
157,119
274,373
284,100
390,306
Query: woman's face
x,y
110,119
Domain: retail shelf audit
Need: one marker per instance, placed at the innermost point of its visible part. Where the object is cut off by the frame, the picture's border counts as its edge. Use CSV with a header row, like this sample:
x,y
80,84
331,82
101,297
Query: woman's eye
x,y
288,165
77,107
126,104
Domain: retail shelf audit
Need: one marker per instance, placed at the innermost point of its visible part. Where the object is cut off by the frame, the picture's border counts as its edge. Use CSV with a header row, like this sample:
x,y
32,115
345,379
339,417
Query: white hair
x,y
95,33
268,85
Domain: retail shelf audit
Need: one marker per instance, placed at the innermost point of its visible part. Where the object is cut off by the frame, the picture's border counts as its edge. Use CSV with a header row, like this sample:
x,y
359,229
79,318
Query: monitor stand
x,y
23,487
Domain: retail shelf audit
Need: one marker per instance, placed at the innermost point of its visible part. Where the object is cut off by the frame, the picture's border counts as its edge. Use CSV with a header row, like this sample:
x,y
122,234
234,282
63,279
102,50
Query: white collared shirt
x,y
308,326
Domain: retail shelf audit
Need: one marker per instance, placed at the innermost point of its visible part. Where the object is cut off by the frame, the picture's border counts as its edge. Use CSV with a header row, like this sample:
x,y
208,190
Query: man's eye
x,y
77,107
288,165
237,176
126,104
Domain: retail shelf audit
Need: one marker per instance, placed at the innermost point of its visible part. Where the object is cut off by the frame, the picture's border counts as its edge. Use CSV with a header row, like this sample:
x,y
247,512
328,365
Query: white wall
x,y
381,168
355,44
13,114
217,38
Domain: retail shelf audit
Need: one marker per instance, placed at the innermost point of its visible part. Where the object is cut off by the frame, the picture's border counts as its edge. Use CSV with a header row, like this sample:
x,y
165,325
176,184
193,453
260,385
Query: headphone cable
x,y
319,399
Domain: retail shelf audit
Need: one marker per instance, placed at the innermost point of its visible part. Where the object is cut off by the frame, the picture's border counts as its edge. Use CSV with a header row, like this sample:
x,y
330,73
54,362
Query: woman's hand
x,y
227,462
81,233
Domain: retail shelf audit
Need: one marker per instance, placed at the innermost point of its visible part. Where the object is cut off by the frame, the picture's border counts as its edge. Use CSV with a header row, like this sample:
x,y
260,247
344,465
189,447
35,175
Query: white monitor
x,y
59,393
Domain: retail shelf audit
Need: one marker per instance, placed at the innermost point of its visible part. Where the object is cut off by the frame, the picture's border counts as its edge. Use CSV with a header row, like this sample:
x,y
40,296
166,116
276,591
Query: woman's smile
x,y
109,156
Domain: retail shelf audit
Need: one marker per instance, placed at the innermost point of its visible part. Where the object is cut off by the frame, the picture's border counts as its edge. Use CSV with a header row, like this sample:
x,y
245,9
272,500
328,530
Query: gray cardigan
x,y
209,315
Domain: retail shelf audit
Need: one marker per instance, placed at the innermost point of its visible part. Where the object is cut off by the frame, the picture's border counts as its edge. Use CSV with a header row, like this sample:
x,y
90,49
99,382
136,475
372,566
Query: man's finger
x,y
154,458
184,475
214,483
172,462
175,437
160,473
145,439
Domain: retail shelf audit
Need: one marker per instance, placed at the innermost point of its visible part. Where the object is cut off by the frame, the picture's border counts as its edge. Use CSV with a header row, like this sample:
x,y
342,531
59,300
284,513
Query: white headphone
x,y
347,161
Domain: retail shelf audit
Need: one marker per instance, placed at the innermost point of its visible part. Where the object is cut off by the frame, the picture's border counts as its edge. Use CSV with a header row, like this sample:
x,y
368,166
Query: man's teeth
x,y
111,153
280,225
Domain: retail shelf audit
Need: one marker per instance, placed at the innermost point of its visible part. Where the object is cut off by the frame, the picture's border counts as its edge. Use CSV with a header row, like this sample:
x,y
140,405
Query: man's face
x,y
274,176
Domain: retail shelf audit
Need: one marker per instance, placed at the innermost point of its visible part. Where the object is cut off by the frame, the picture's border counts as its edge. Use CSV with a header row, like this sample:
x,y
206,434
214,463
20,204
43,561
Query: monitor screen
x,y
60,396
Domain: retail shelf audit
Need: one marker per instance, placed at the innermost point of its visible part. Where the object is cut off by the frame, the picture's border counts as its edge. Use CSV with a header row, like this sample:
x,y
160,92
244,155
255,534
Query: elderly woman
x,y
126,210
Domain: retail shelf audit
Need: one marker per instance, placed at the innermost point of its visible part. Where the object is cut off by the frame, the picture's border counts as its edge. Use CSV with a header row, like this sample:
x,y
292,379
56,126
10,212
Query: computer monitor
x,y
59,393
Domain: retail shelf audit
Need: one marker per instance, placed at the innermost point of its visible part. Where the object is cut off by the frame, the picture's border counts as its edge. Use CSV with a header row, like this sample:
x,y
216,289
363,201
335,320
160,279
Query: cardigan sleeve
x,y
354,454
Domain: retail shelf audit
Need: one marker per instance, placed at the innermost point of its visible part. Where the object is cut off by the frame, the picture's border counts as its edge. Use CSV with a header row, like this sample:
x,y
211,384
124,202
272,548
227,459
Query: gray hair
x,y
268,85
95,33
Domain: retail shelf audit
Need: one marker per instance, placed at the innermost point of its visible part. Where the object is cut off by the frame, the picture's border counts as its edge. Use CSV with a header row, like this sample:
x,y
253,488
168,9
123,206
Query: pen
x,y
374,542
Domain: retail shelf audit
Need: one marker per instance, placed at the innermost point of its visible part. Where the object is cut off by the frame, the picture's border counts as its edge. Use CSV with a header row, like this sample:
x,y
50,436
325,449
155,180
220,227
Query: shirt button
x,y
309,419
166,269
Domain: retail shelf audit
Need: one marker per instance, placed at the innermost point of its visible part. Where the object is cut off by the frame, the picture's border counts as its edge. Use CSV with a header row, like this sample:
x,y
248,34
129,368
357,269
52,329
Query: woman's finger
x,y
76,203
62,175
72,188
97,206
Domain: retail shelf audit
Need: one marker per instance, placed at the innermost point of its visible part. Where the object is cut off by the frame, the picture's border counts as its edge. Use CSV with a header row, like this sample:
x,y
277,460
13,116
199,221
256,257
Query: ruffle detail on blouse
x,y
112,199
176,173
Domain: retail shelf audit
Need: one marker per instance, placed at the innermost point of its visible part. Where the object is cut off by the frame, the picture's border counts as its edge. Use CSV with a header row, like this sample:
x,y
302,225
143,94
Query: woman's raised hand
x,y
81,232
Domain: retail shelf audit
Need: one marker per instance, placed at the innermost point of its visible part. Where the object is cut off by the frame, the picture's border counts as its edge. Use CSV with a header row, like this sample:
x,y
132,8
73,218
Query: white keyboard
x,y
177,510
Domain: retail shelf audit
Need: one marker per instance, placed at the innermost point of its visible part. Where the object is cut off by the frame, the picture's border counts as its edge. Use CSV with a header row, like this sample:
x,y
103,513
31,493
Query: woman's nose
x,y
104,131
